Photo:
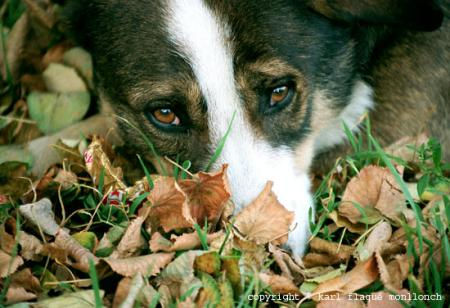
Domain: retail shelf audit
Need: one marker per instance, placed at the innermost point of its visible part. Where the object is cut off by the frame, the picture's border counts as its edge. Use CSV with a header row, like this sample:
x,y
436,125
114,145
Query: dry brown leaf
x,y
395,272
326,253
148,265
25,279
341,302
30,246
265,220
207,195
186,241
8,264
45,17
66,178
379,236
132,241
377,192
75,250
14,47
384,299
360,276
18,294
129,291
178,276
279,284
253,255
342,252
54,54
402,147
97,162
314,259
289,268
160,243
122,291
343,222
166,205
56,253
7,241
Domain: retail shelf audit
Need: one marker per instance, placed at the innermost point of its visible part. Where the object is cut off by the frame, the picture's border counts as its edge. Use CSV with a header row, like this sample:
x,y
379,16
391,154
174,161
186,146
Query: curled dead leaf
x,y
166,207
361,275
40,213
31,246
132,241
379,236
25,279
98,164
289,268
376,191
186,241
178,276
265,220
402,148
341,302
395,272
66,179
326,253
75,250
279,284
384,299
343,222
148,265
207,195
8,264
16,294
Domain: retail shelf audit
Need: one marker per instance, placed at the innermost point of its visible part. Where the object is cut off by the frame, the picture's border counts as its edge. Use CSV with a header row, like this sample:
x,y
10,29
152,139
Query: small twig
x,y
179,166
20,120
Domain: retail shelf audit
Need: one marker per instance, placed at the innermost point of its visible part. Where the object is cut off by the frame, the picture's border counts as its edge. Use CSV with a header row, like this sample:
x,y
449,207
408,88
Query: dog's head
x,y
273,79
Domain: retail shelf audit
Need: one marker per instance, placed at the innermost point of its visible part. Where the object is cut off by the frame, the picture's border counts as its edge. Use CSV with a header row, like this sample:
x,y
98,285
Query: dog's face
x,y
272,78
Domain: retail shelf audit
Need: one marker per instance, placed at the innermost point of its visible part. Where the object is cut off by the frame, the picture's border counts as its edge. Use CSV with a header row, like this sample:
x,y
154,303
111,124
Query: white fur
x,y
333,134
203,39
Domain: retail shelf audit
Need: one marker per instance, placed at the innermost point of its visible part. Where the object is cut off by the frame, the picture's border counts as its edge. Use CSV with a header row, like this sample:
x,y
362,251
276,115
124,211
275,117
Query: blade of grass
x,y
202,236
186,165
155,300
404,189
350,137
147,174
95,284
147,142
136,202
221,144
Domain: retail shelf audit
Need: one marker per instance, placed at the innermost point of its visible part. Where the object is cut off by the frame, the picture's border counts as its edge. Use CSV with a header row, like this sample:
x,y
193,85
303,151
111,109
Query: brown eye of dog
x,y
278,95
166,116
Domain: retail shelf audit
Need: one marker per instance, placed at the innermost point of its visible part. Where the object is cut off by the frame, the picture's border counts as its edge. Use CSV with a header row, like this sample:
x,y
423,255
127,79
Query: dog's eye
x,y
166,116
279,95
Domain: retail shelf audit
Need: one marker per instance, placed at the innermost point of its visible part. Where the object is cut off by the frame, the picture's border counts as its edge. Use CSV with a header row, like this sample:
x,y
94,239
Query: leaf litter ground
x,y
96,230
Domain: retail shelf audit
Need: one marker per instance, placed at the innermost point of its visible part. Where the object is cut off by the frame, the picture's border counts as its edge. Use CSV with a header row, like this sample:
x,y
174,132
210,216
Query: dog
x,y
272,79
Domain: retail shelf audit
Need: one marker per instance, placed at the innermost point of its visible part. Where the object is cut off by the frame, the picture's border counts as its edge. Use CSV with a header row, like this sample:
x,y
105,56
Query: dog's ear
x,y
422,15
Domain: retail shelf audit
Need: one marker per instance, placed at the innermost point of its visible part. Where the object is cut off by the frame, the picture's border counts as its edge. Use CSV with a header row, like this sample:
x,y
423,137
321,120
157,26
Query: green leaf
x,y
54,112
87,239
423,183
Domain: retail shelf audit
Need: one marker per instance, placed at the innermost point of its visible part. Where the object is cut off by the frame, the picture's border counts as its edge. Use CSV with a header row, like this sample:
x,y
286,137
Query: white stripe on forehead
x,y
205,43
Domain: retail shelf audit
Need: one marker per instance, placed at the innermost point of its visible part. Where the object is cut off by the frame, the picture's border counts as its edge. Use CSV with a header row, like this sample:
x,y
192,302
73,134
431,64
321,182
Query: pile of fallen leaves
x,y
174,239
92,230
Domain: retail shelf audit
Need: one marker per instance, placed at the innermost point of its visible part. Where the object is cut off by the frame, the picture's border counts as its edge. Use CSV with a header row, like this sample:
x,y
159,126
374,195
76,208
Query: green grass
x,y
95,284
